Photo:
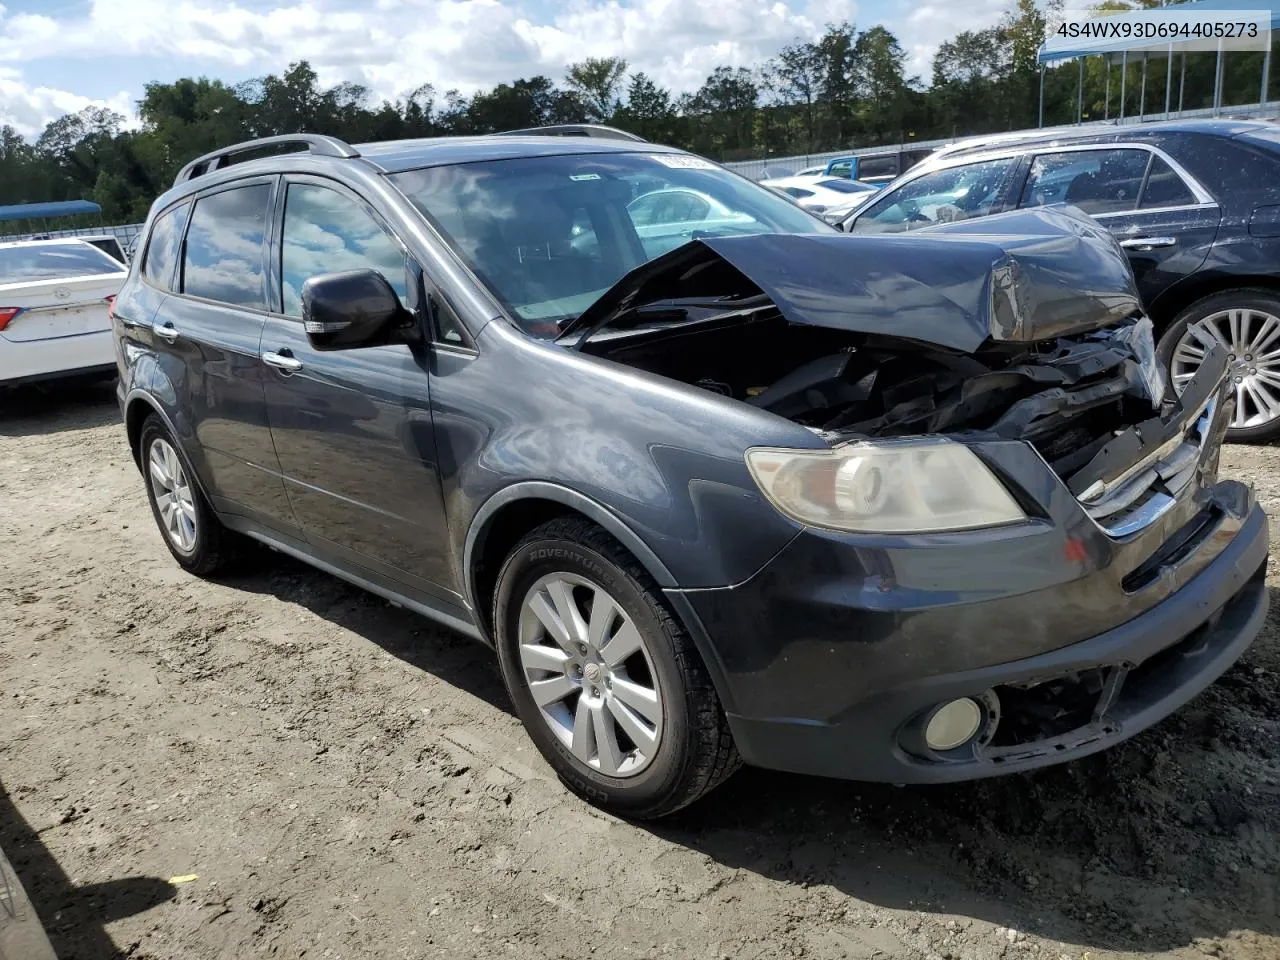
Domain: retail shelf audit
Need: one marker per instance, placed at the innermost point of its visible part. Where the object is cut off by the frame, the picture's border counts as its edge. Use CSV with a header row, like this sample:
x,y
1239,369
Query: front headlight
x,y
897,486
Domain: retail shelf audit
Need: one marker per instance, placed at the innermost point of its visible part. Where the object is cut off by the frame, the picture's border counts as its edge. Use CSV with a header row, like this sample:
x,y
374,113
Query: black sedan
x,y
1195,204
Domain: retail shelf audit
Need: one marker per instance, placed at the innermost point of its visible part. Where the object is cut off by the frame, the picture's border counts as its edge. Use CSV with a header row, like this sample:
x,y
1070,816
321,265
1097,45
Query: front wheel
x,y
606,681
1247,323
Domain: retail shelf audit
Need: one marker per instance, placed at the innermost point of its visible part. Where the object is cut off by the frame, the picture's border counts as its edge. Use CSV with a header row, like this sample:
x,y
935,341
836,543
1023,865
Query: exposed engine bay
x,y
1068,396
1024,326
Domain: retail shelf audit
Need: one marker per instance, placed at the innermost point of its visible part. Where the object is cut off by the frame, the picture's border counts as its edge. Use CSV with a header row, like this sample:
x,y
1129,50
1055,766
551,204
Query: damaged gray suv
x,y
718,483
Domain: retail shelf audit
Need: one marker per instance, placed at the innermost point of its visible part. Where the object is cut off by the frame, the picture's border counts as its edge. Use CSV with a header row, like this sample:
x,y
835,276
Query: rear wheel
x,y
1247,323
605,680
195,537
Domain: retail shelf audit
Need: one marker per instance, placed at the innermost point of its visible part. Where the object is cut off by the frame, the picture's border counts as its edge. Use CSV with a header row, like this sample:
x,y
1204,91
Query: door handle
x,y
282,362
165,331
1147,243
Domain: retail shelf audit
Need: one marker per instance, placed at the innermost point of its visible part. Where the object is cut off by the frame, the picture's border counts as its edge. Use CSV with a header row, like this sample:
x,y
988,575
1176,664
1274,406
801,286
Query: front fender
x,y
659,464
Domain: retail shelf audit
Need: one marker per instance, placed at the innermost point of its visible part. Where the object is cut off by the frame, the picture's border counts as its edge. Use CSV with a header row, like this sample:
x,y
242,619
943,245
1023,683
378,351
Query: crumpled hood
x,y
1023,276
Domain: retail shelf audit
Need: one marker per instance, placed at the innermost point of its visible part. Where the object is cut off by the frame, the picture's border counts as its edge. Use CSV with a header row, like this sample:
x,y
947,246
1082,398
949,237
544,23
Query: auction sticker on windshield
x,y
680,161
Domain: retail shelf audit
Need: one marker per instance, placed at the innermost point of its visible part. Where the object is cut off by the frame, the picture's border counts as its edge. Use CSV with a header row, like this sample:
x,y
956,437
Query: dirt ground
x,y
346,780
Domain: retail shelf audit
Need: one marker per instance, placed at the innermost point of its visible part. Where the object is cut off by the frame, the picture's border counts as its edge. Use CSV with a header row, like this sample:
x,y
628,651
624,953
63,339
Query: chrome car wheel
x,y
590,674
1252,339
172,492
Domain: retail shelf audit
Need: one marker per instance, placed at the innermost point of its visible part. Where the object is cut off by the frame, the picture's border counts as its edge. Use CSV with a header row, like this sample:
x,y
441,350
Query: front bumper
x,y
840,683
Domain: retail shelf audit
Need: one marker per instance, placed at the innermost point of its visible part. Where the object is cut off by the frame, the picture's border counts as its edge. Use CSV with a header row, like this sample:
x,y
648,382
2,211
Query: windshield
x,y
549,235
59,261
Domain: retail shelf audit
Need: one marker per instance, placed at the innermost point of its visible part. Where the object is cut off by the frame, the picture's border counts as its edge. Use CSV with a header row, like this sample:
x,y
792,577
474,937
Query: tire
x,y
1250,425
211,548
570,560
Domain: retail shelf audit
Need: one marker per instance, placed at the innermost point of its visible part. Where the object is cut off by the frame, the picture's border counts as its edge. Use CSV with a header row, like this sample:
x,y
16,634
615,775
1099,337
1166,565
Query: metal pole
x,y
1124,76
1266,75
1168,82
1040,122
1106,96
1182,82
1080,93
1217,82
1142,97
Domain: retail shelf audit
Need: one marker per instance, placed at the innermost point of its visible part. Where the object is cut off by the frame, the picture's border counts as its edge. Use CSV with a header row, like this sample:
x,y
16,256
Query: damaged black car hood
x,y
1023,276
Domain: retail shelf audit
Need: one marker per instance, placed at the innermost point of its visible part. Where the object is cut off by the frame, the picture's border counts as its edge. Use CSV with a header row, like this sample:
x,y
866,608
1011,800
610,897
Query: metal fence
x,y
127,234
783,166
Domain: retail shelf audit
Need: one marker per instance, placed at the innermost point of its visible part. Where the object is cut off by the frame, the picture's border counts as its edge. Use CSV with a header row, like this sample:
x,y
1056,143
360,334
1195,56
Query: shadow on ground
x,y
57,406
74,916
454,658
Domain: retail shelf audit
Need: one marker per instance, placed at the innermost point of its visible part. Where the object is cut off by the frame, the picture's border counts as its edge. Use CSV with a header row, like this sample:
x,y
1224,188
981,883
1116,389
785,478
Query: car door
x,y
352,428
1165,222
209,329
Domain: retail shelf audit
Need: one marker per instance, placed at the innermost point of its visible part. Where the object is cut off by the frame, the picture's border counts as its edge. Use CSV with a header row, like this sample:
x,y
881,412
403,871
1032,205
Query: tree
x,y
969,78
649,111
1023,27
597,81
726,102
62,136
795,77
881,82
525,103
838,79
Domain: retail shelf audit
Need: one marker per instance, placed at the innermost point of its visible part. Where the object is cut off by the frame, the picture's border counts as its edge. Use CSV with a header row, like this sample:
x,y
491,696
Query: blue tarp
x,y
38,211
1055,49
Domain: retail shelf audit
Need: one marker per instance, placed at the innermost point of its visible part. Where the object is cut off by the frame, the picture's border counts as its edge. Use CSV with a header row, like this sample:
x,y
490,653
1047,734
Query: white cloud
x,y
452,43
931,22
394,46
28,108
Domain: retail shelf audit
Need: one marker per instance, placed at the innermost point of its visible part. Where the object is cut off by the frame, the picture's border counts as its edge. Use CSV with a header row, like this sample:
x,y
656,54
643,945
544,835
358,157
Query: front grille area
x,y
1148,489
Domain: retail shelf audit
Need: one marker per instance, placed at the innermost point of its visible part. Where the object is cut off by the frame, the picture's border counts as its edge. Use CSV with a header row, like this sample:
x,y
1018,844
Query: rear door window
x,y
328,232
223,256
53,261
1096,181
162,248
843,168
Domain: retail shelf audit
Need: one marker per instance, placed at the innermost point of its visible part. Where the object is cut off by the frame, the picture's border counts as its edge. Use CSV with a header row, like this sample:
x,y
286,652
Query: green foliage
x,y
845,88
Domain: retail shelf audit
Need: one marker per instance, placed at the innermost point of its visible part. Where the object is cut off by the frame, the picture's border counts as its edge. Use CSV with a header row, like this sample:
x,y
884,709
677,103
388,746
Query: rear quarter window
x,y
162,247
1223,166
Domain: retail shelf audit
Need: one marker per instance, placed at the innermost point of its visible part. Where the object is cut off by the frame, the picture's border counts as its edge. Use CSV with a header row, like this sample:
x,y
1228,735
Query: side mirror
x,y
342,311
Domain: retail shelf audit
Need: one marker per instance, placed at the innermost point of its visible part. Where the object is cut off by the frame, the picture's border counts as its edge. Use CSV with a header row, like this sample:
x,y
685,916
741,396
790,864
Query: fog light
x,y
952,724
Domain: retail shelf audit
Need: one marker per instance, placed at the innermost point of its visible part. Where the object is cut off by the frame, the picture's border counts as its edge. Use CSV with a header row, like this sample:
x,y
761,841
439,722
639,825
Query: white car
x,y
54,301
818,195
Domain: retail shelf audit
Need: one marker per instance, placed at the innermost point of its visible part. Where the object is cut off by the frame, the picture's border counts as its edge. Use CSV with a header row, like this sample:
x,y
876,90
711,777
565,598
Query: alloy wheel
x,y
1252,339
173,495
591,675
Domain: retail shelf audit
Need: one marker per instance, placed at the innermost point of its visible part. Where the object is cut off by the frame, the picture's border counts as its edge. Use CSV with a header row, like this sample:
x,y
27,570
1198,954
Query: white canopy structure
x,y
1118,49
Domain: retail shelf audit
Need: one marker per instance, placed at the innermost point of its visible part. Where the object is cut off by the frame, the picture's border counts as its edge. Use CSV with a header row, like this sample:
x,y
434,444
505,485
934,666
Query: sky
x,y
60,56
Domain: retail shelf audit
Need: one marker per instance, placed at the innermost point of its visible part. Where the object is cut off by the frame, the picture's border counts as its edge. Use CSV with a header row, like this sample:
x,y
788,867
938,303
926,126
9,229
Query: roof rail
x,y
316,144
574,130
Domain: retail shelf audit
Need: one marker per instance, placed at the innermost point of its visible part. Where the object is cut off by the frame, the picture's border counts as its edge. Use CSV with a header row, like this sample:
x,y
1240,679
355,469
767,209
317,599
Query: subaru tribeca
x,y
732,487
